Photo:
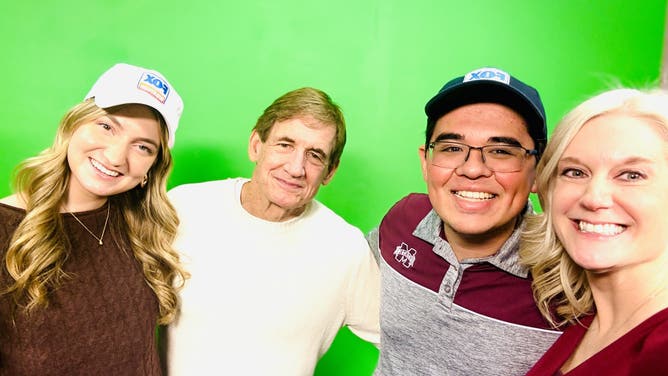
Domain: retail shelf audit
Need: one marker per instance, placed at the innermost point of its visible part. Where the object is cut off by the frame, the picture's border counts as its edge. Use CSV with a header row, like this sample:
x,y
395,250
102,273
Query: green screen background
x,y
381,60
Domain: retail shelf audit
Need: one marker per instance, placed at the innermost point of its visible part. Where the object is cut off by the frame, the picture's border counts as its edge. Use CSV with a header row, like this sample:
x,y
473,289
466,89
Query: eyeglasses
x,y
497,157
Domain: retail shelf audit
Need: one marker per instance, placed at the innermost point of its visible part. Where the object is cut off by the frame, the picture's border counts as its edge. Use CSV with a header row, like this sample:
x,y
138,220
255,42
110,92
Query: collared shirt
x,y
443,316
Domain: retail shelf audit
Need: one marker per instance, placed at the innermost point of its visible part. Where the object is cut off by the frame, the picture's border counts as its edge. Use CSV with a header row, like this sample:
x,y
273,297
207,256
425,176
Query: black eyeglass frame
x,y
528,152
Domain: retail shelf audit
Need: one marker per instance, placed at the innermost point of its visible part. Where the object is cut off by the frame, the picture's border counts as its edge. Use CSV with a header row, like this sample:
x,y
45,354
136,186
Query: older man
x,y
275,273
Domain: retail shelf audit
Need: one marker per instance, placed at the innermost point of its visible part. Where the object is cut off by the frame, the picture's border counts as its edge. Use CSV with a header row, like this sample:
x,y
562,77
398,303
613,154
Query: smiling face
x,y
111,154
291,164
474,202
610,193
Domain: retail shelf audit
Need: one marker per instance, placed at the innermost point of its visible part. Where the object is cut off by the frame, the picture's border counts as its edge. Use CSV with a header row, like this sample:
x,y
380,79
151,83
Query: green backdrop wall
x,y
381,60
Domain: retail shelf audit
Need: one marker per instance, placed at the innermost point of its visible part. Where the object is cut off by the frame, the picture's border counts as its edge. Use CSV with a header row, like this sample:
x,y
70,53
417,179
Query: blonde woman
x,y
88,269
599,253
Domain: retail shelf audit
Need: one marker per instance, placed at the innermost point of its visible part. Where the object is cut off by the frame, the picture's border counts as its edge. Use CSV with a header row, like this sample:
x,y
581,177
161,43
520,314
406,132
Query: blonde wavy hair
x,y
38,249
560,285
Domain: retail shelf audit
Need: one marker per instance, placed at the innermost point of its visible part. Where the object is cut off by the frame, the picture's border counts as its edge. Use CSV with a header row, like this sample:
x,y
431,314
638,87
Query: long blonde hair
x,y
38,249
560,285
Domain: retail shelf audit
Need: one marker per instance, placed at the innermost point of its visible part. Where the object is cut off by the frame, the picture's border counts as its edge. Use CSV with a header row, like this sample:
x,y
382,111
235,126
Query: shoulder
x,y
202,199
341,234
11,215
657,333
13,200
192,193
410,209
650,345
321,214
186,189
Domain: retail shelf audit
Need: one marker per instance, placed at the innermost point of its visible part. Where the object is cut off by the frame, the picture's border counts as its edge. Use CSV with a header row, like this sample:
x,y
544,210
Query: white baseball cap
x,y
125,83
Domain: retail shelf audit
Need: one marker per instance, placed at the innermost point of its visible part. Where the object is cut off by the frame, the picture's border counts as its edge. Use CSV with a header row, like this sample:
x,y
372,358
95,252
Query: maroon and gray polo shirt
x,y
441,316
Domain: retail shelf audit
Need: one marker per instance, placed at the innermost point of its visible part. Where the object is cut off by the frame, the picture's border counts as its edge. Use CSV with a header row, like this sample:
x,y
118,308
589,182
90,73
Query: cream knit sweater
x,y
266,298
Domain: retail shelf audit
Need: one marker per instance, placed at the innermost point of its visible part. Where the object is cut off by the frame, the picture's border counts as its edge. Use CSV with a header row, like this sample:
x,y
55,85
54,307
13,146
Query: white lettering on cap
x,y
491,74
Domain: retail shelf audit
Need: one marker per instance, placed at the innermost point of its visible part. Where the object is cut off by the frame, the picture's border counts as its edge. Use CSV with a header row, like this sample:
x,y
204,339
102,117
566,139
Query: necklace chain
x,y
104,228
593,342
648,299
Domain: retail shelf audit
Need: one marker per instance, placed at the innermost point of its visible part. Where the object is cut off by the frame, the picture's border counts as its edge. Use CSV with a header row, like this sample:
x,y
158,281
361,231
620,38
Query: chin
x,y
471,230
595,266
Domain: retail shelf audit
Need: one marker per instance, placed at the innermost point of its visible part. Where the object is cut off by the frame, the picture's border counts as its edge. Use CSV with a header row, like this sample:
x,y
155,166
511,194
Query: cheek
x,y
142,166
564,198
559,220
437,176
317,179
648,209
516,183
566,195
268,162
73,153
70,155
85,137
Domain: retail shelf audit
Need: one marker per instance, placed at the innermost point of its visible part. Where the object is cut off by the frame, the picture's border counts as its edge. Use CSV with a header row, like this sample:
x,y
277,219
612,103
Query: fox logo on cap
x,y
153,85
488,74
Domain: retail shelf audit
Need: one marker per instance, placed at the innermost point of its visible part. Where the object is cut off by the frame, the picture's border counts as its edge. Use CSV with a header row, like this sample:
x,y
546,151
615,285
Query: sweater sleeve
x,y
363,298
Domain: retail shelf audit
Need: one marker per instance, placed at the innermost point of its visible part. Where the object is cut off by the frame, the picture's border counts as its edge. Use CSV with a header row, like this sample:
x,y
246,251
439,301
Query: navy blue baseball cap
x,y
495,86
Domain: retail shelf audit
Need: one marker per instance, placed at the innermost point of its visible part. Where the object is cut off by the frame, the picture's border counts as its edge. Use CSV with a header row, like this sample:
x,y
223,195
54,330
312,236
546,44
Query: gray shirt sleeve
x,y
372,239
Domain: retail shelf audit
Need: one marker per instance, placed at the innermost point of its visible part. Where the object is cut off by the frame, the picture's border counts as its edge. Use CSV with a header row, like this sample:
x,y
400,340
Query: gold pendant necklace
x,y
104,228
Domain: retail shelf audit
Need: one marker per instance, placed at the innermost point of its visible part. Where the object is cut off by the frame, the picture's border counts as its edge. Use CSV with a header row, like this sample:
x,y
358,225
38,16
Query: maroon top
x,y
497,286
102,319
642,351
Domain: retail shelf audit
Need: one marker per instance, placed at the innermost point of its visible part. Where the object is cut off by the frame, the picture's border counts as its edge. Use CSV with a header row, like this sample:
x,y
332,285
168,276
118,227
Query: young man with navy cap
x,y
455,299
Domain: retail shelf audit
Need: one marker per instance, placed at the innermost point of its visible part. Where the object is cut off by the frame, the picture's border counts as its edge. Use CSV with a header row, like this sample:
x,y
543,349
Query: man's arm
x,y
363,302
372,239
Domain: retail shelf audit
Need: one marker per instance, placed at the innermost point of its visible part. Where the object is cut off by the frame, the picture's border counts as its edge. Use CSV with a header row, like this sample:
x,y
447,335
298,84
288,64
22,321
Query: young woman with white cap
x,y
88,269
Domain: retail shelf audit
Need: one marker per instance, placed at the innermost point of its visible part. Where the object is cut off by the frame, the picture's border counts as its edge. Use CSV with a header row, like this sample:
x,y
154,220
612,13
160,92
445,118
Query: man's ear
x,y
254,146
330,174
423,161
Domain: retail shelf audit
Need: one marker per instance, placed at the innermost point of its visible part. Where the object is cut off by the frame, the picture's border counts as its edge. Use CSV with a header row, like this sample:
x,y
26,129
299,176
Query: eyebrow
x,y
495,140
625,161
118,124
505,140
449,136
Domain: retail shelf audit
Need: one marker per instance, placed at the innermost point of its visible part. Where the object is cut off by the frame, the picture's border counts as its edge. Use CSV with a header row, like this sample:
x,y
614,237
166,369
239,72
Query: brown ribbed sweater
x,y
101,321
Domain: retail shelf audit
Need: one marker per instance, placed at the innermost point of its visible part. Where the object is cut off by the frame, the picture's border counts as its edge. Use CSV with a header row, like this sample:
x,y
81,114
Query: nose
x,y
597,195
116,153
295,165
474,165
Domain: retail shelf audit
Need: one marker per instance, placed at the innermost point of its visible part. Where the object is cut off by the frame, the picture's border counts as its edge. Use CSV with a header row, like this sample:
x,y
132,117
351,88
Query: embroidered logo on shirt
x,y
405,255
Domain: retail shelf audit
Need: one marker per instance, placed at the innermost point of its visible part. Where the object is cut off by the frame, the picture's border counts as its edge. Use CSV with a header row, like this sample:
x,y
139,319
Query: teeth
x,y
97,165
475,195
603,229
